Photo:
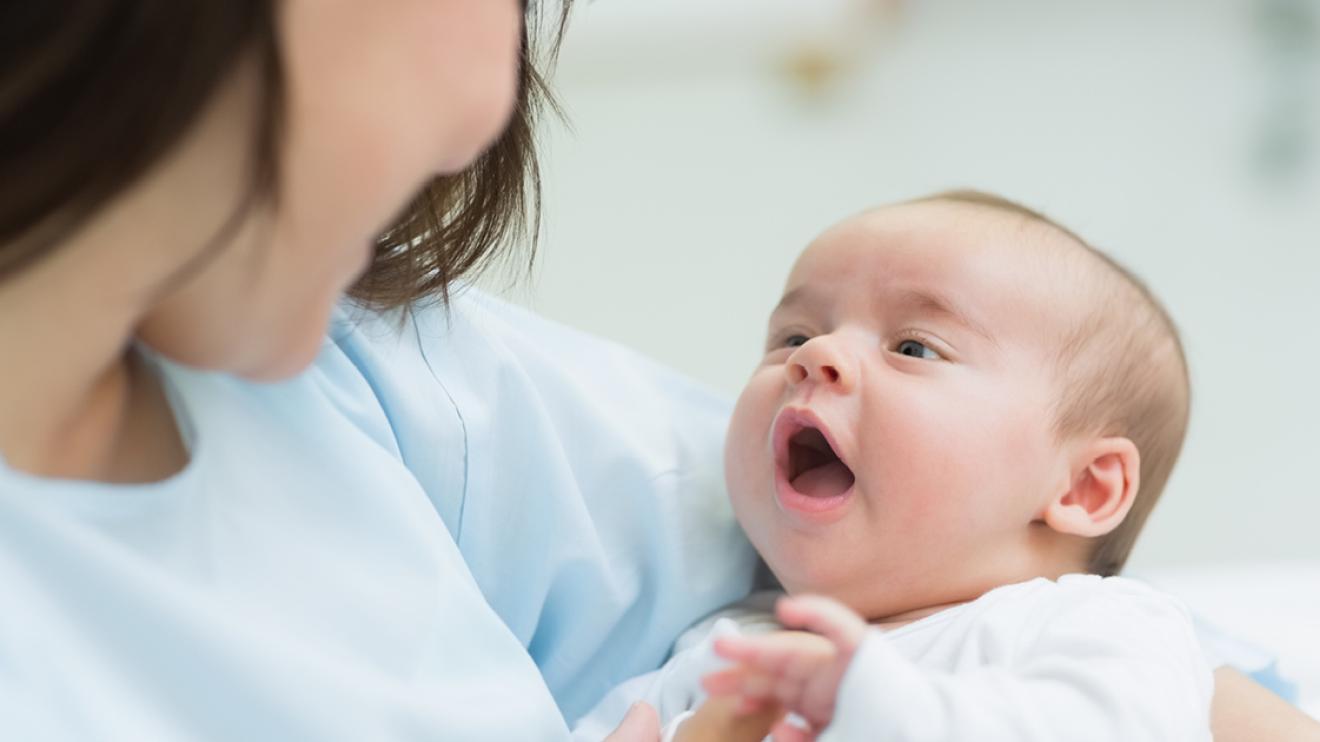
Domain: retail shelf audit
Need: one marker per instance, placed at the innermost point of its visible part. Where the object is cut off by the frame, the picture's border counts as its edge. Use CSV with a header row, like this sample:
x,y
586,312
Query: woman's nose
x,y
820,361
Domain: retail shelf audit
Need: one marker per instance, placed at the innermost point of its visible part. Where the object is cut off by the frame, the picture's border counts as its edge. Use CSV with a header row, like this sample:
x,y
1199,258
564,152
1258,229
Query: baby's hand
x,y
797,670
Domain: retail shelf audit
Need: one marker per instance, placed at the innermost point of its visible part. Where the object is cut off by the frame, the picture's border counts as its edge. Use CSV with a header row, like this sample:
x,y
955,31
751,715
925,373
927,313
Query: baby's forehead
x,y
971,225
947,236
976,254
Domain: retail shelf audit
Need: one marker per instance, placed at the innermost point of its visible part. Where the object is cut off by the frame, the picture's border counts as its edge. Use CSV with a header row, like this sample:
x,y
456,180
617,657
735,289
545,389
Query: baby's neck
x,y
954,599
898,620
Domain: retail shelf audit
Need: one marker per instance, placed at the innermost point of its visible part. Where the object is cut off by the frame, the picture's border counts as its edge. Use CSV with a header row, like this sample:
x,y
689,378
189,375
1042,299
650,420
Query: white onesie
x,y
1081,658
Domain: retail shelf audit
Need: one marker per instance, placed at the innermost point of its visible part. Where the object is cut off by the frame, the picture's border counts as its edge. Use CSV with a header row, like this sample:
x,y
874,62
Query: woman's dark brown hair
x,y
94,92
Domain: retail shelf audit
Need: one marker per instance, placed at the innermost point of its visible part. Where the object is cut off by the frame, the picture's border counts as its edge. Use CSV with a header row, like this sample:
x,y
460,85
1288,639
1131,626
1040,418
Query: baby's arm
x,y
1101,670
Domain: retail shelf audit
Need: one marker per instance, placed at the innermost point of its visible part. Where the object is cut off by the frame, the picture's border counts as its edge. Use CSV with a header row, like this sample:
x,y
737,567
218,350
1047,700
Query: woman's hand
x,y
1244,711
718,720
640,724
796,670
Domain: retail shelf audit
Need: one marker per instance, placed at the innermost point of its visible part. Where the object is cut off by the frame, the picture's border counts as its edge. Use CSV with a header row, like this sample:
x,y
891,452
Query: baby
x,y
962,419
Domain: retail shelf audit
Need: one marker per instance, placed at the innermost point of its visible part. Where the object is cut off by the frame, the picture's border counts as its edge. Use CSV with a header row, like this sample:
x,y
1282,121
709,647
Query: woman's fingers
x,y
722,682
754,690
748,705
825,616
640,724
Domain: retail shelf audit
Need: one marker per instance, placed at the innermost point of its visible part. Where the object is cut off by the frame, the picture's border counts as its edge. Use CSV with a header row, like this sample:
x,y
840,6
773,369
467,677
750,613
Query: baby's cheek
x,y
736,452
929,483
747,459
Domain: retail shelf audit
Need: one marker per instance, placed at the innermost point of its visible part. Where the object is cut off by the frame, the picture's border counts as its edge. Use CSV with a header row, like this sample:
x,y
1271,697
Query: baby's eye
x,y
795,341
917,349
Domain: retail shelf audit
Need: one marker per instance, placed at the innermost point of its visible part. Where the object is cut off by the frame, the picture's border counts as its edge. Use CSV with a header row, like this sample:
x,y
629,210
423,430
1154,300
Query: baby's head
x,y
956,394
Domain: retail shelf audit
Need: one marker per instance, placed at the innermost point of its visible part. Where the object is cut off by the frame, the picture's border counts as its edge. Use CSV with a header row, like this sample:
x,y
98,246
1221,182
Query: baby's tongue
x,y
826,480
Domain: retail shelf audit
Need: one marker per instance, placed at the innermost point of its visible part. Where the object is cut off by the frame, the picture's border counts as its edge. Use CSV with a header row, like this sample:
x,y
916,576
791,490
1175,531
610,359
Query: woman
x,y
222,520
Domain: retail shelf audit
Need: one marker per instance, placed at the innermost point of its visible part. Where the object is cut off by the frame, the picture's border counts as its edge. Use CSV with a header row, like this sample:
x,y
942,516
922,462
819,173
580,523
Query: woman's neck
x,y
114,424
77,402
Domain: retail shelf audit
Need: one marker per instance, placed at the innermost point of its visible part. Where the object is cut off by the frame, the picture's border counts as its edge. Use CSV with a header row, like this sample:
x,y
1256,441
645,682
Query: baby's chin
x,y
884,606
876,595
818,577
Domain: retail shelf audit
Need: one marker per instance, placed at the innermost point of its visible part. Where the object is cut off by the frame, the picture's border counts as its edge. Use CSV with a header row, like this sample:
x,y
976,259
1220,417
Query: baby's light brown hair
x,y
1122,369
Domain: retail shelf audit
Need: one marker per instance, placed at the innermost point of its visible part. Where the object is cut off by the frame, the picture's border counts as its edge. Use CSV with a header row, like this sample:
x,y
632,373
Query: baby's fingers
x,y
775,653
825,616
786,731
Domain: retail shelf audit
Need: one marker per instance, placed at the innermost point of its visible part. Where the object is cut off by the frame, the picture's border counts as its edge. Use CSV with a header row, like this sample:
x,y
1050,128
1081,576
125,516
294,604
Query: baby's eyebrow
x,y
792,297
918,300
929,302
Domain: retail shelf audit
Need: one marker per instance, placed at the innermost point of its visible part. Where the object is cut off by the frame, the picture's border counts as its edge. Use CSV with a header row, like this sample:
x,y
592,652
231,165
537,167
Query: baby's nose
x,y
818,361
826,373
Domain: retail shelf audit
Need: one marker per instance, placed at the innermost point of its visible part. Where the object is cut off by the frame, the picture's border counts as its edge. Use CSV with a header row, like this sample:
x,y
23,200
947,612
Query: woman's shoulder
x,y
477,331
571,471
498,365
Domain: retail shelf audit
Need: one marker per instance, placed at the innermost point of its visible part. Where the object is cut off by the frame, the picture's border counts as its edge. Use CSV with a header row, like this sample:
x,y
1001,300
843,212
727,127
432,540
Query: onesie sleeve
x,y
1118,663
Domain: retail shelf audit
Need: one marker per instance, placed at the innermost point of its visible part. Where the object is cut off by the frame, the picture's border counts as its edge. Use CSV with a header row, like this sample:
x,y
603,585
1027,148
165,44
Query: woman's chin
x,y
285,361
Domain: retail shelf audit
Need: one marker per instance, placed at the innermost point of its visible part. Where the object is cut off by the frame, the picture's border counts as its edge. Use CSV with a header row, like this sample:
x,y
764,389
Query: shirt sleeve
x,y
582,482
1099,669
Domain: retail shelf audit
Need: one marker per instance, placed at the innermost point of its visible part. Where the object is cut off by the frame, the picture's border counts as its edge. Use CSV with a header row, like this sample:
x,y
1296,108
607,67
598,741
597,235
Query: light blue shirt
x,y
463,525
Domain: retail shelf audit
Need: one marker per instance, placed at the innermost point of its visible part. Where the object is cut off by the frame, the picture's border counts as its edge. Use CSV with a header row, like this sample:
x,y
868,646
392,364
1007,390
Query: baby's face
x,y
895,447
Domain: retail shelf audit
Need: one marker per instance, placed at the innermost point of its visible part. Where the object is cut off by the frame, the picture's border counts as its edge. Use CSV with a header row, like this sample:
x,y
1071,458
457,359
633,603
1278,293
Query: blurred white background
x,y
710,141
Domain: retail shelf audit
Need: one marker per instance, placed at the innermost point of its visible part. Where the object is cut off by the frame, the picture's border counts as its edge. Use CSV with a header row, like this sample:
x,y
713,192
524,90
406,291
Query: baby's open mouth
x,y
813,468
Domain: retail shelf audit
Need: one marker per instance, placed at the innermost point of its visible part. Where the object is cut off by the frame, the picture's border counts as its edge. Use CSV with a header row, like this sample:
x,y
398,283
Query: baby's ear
x,y
1105,477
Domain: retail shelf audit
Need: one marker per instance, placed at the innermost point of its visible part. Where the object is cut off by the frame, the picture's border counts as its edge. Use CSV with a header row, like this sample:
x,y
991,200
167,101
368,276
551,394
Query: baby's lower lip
x,y
816,510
